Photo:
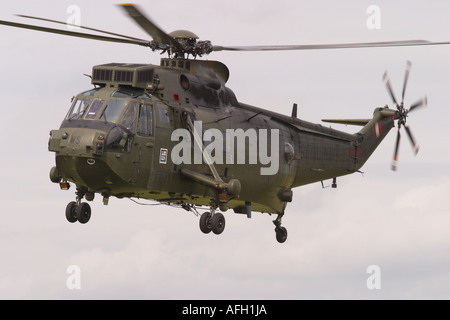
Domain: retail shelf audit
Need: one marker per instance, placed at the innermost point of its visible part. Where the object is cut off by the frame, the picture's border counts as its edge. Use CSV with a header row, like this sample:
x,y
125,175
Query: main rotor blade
x,y
389,87
83,27
421,103
403,43
397,143
152,29
74,34
405,81
413,141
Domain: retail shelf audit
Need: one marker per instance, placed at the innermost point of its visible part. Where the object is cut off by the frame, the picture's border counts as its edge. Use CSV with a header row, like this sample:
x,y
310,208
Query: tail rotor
x,y
402,113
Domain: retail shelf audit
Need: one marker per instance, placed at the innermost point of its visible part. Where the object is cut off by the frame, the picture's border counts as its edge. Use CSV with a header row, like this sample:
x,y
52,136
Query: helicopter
x,y
174,133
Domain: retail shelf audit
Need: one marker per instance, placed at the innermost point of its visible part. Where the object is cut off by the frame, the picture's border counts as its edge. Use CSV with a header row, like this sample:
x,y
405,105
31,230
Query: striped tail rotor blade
x,y
419,104
389,87
397,144
413,141
405,81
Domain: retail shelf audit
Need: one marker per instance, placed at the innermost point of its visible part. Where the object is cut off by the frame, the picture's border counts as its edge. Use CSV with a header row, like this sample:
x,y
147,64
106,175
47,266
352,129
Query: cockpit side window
x,y
78,108
120,137
145,124
129,116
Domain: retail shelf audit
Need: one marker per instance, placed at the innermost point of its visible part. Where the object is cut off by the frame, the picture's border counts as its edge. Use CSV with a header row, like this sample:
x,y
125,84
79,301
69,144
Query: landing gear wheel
x,y
84,212
281,234
218,223
71,212
205,222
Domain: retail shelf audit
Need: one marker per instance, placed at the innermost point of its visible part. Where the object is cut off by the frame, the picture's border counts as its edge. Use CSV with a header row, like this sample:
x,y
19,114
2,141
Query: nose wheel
x,y
71,212
78,211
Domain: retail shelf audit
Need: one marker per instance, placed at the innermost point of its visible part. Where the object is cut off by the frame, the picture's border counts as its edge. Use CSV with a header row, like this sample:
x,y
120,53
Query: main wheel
x,y
281,234
71,212
205,222
84,212
218,223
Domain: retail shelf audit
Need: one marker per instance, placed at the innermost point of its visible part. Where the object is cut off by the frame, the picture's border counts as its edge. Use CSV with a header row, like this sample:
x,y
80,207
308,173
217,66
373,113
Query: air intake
x,y
120,74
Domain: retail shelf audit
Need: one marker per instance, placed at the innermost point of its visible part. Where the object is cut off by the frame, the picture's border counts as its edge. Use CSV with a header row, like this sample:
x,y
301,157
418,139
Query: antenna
x,y
294,111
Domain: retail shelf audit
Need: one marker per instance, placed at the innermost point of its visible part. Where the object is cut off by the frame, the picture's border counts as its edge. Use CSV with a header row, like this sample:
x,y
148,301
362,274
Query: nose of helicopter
x,y
77,142
79,154
88,156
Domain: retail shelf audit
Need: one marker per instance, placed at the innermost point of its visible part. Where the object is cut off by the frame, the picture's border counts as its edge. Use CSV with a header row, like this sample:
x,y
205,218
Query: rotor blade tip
x,y
394,166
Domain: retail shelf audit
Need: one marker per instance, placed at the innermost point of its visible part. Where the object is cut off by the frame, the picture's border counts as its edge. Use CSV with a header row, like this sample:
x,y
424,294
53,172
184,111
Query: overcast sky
x,y
399,221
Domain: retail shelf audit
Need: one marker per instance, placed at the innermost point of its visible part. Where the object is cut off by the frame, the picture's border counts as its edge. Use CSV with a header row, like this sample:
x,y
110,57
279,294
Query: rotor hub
x,y
183,34
402,114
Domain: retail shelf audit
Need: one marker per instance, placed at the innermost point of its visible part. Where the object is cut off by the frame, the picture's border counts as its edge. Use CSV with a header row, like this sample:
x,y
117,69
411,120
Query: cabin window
x,y
163,116
145,124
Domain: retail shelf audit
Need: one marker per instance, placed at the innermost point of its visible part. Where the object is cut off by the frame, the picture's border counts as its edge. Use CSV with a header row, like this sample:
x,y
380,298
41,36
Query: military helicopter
x,y
174,133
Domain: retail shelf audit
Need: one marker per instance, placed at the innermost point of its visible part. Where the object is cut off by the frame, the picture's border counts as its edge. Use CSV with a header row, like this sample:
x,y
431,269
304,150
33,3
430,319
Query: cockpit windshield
x,y
78,108
94,109
120,111
113,110
123,113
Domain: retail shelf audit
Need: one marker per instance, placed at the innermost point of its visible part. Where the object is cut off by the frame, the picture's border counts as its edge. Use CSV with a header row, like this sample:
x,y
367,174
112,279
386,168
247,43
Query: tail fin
x,y
370,136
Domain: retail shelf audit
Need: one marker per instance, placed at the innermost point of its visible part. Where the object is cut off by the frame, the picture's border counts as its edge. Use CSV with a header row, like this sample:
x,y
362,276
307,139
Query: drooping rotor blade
x,y
82,27
389,87
74,33
152,29
403,43
405,81
413,141
421,103
397,144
